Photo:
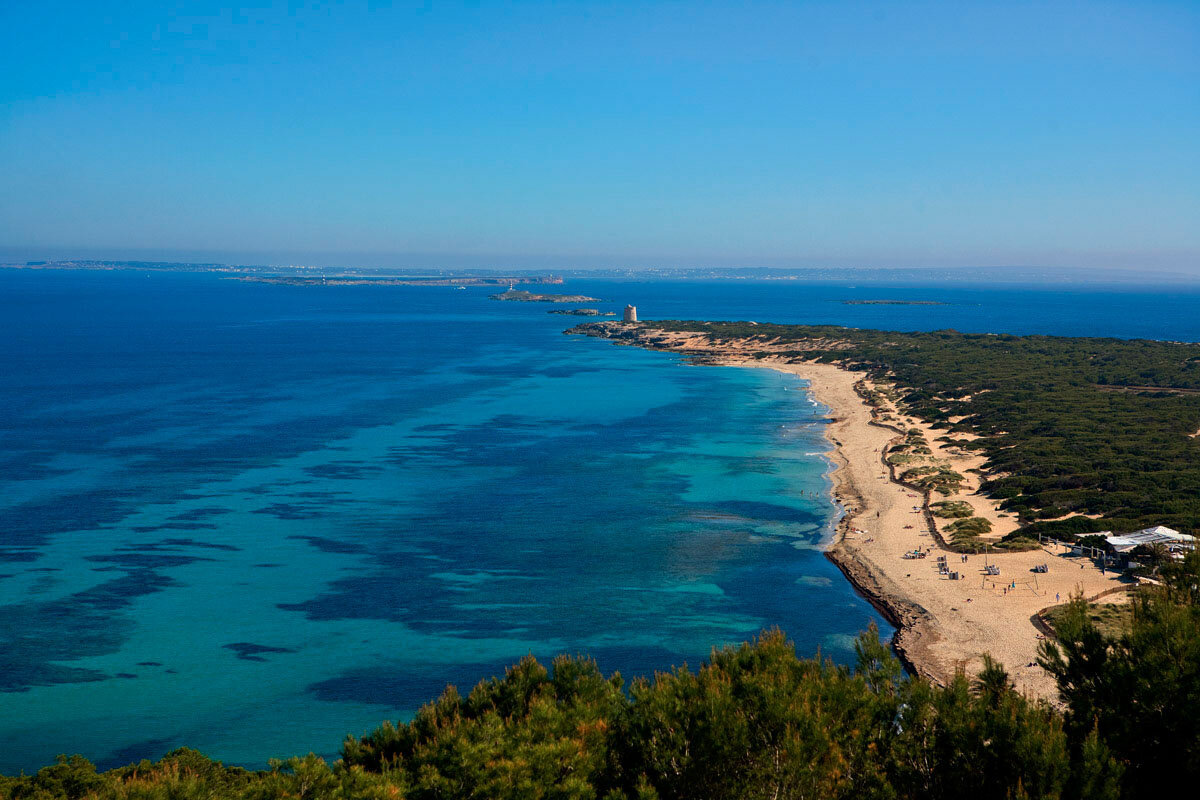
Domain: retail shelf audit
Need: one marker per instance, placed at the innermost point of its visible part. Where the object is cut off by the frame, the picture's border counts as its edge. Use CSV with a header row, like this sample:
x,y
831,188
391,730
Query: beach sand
x,y
944,626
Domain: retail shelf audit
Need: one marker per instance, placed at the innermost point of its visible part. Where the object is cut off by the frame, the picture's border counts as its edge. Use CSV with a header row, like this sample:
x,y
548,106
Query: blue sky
x,y
598,134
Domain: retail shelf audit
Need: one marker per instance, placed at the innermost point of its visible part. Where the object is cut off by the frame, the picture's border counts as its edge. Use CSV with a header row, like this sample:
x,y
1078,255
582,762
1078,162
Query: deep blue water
x,y
252,519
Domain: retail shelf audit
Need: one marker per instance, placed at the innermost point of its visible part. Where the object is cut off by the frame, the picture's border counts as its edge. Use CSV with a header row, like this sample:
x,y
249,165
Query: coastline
x,y
944,627
915,626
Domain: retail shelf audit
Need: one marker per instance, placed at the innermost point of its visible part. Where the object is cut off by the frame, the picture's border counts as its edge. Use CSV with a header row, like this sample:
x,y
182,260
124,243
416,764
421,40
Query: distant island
x,y
300,275
582,312
893,303
355,280
521,296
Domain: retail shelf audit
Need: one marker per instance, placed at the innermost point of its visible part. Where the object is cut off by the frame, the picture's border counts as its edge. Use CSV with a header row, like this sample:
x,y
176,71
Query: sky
x,y
603,134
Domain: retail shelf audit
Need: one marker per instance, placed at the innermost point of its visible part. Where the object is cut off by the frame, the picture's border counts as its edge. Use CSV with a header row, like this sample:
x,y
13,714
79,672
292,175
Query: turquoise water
x,y
253,519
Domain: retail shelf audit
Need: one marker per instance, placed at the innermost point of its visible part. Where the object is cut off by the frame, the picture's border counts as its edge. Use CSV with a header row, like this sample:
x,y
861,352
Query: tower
x,y
630,314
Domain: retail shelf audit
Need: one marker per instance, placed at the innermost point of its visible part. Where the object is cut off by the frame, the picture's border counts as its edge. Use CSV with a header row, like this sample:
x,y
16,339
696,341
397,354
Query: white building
x,y
1159,534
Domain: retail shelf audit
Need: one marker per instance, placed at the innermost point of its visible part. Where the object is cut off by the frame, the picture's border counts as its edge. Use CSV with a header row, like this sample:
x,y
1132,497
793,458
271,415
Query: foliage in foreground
x,y
758,722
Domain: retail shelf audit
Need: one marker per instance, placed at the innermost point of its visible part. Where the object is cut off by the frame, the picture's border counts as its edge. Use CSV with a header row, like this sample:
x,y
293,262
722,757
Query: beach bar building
x,y
1159,534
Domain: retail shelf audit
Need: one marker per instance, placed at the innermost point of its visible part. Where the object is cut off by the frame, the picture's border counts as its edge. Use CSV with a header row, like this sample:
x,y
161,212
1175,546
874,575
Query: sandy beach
x,y
944,626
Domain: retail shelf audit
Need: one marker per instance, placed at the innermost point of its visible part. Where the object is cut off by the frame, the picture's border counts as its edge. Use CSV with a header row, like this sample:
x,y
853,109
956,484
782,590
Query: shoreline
x,y
912,622
943,626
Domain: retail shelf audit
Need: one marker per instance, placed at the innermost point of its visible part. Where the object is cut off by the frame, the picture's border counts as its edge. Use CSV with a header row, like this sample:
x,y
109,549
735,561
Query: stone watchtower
x,y
630,314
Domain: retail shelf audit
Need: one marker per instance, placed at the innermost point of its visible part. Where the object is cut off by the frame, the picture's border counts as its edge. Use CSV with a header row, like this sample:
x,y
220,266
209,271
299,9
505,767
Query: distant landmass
x,y
965,275
582,312
852,276
521,296
461,280
311,276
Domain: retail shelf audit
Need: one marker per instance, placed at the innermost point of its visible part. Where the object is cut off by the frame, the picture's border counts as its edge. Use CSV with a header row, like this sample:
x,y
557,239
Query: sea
x,y
252,519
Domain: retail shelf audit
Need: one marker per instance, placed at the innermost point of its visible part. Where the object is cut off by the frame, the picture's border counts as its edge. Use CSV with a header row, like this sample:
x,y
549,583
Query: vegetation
x,y
1111,619
952,509
758,722
1018,542
1098,542
933,478
582,312
1133,700
974,526
523,296
1069,426
964,534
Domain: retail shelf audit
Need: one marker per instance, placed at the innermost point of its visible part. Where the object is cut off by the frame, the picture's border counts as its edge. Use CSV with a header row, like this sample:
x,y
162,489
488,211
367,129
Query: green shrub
x,y
973,526
952,509
1018,544
927,477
